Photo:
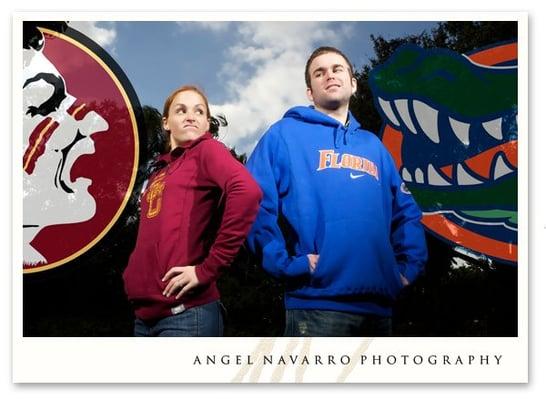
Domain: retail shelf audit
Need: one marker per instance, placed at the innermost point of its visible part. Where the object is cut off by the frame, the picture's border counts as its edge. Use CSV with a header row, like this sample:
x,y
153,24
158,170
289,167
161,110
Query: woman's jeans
x,y
205,320
335,323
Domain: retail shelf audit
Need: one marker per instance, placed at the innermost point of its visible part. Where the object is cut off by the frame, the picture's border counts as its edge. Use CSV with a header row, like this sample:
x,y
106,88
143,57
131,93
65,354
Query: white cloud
x,y
264,75
215,26
103,36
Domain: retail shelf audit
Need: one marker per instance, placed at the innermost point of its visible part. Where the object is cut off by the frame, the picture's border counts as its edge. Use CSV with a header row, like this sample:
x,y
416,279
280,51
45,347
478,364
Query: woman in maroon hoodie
x,y
196,211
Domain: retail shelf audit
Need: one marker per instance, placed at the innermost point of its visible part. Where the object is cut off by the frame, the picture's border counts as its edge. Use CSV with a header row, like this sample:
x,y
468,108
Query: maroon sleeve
x,y
242,199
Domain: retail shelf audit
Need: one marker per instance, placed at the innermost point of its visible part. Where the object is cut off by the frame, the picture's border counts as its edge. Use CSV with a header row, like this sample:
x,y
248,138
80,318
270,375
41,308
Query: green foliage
x,y
253,299
154,131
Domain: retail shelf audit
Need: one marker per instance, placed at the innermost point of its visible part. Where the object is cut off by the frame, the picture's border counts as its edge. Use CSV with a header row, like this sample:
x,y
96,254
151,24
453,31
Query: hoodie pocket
x,y
356,257
141,275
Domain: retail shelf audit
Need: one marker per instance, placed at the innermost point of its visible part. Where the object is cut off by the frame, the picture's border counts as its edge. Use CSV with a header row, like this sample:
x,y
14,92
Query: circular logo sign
x,y
80,146
450,122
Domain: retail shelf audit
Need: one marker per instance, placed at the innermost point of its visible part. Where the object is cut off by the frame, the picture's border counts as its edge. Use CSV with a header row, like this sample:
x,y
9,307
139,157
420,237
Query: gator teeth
x,y
406,175
501,168
461,130
428,120
434,178
494,128
387,109
419,176
403,110
464,178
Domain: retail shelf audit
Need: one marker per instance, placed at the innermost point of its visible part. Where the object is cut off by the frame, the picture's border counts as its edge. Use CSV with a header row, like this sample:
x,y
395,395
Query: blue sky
x,y
252,72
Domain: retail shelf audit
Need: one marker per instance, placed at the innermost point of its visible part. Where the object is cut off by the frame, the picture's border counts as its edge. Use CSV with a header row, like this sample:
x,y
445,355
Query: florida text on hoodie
x,y
196,210
334,190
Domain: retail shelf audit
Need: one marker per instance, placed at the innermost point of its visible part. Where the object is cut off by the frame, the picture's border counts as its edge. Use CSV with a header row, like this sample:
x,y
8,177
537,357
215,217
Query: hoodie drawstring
x,y
340,133
336,135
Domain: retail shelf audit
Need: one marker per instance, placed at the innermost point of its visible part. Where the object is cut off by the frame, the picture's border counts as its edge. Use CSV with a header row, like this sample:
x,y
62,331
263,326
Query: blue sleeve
x,y
270,167
407,233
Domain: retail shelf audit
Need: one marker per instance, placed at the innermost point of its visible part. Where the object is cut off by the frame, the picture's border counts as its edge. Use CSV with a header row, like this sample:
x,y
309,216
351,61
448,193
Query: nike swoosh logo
x,y
356,176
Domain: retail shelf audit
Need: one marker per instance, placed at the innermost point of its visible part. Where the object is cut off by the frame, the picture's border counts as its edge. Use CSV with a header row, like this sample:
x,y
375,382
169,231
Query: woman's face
x,y
187,119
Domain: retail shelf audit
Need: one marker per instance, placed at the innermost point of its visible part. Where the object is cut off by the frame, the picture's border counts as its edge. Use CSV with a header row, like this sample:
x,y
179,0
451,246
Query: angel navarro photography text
x,y
346,359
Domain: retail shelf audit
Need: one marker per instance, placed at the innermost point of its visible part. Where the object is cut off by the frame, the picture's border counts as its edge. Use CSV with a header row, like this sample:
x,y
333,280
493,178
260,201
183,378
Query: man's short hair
x,y
320,51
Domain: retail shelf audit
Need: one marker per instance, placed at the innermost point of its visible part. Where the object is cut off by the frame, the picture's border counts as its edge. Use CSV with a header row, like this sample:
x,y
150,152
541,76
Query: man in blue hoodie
x,y
336,223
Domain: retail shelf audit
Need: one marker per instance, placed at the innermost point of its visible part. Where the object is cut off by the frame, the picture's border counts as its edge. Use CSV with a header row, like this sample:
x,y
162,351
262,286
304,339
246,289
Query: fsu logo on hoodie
x,y
80,144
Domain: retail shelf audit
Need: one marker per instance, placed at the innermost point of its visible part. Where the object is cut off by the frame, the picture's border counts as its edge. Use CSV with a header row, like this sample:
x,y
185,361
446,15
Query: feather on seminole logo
x,y
450,122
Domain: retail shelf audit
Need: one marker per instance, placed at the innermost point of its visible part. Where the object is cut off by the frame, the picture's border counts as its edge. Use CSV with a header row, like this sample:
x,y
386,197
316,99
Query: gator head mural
x,y
450,122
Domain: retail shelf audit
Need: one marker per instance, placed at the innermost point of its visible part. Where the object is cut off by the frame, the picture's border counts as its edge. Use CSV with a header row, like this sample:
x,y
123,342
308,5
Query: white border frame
x,y
143,360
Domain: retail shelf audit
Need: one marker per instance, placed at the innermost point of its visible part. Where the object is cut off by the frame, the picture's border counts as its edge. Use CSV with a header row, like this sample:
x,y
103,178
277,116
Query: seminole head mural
x,y
80,144
450,122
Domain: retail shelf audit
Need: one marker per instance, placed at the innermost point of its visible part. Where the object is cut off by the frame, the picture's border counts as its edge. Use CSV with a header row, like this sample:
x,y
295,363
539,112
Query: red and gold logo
x,y
154,195
80,146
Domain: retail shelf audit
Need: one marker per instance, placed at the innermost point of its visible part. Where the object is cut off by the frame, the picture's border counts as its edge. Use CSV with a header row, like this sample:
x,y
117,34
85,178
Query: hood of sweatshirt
x,y
340,133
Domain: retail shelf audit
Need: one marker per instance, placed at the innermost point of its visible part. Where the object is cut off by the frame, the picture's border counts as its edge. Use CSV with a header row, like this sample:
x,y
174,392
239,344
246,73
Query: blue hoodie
x,y
334,190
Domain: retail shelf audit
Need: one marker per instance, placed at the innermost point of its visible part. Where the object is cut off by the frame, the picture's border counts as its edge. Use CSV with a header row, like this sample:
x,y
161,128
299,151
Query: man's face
x,y
331,82
55,135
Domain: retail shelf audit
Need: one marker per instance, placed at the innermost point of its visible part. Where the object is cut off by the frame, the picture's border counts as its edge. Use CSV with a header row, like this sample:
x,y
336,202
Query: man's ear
x,y
309,93
354,85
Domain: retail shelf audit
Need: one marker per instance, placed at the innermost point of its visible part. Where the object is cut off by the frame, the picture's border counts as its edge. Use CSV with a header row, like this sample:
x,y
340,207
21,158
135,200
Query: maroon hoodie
x,y
196,210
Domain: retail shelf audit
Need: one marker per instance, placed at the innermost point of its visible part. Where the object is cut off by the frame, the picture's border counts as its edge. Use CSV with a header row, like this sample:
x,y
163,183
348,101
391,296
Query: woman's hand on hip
x,y
181,280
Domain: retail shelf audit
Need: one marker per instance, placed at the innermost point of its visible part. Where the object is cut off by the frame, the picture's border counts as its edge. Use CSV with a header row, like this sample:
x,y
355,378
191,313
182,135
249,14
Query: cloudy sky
x,y
252,72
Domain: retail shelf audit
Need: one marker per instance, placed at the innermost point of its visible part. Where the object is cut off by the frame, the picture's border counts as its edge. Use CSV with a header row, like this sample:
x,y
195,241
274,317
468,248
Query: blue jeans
x,y
335,323
205,320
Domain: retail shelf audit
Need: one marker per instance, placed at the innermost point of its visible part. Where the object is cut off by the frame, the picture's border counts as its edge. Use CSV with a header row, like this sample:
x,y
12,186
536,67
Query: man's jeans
x,y
205,320
335,323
